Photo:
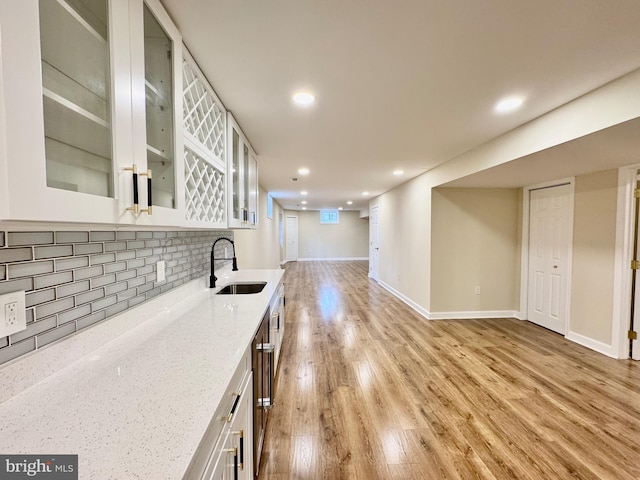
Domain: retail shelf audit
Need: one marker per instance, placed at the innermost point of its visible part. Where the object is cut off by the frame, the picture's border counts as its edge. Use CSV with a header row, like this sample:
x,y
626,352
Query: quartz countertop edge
x,y
134,395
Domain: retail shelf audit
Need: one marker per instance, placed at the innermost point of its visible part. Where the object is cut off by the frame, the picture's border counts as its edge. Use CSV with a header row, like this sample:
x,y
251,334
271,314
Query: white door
x,y
374,247
549,237
291,253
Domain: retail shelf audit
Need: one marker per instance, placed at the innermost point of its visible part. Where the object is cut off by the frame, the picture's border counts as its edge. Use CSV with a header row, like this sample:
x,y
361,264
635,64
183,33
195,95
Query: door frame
x,y
524,256
286,234
375,275
625,223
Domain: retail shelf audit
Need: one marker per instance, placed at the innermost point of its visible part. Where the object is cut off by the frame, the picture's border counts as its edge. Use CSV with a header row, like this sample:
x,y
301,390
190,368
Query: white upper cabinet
x,y
156,49
87,93
205,167
242,185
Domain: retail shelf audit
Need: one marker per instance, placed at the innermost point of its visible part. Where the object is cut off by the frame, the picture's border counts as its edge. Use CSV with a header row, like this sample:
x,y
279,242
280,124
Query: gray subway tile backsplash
x,y
16,239
8,255
89,296
53,252
54,307
43,296
89,248
29,269
72,288
71,263
44,281
72,237
106,236
75,279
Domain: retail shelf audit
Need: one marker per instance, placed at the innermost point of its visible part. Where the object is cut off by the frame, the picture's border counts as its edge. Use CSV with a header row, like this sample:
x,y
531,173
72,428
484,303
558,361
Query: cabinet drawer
x,y
221,419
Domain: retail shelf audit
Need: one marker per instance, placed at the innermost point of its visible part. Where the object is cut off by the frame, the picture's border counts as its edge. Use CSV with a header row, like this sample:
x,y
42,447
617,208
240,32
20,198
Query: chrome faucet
x,y
212,277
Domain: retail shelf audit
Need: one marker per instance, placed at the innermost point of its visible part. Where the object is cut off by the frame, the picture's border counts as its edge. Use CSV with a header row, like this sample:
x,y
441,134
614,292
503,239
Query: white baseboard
x,y
331,259
473,315
408,301
422,311
596,345
587,342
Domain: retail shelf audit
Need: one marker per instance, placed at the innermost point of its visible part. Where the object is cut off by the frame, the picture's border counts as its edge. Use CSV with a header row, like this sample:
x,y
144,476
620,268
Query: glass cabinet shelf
x,y
158,72
76,84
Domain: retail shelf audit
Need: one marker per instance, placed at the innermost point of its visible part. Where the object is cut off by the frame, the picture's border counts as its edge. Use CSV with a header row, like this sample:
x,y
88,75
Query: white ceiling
x,y
407,84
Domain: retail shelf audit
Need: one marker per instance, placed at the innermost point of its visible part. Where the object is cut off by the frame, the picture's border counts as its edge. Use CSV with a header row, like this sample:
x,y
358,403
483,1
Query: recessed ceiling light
x,y
303,202
303,171
349,202
508,104
365,193
303,192
398,172
304,208
340,208
304,99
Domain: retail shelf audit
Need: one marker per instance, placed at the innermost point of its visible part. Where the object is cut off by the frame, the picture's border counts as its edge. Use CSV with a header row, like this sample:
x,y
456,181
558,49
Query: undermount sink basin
x,y
242,288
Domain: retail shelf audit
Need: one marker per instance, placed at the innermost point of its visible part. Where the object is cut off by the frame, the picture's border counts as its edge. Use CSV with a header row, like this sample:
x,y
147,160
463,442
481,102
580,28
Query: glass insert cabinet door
x,y
158,66
76,89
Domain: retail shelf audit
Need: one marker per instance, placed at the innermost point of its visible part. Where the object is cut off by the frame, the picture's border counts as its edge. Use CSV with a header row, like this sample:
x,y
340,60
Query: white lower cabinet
x,y
233,459
226,450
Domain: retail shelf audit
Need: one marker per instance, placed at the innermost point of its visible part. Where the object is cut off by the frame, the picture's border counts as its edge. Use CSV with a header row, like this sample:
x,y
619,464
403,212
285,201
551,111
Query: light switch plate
x,y
12,313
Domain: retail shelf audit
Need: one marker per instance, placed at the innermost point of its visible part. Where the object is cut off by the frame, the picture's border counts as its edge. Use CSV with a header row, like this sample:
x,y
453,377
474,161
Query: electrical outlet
x,y
476,291
12,313
160,272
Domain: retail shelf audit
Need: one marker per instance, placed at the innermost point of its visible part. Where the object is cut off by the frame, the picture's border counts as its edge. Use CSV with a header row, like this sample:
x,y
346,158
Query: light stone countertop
x,y
133,395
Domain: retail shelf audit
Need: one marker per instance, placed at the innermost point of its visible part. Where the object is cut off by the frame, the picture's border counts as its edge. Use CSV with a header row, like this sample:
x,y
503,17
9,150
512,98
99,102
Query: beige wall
x,y
475,242
348,239
260,248
405,240
594,255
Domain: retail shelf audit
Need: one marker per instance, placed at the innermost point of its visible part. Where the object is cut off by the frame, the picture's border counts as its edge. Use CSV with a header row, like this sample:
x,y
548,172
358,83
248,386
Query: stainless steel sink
x,y
242,288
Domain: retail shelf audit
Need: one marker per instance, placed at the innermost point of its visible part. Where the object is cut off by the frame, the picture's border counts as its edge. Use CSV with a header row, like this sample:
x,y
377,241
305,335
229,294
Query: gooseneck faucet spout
x,y
234,265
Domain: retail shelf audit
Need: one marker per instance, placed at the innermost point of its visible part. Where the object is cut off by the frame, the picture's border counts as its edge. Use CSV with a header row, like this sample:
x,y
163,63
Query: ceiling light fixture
x,y
303,192
398,172
304,99
303,202
349,202
365,193
303,171
340,208
508,104
304,208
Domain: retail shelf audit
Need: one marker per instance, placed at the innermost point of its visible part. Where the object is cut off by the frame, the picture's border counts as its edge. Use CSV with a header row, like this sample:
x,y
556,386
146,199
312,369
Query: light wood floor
x,y
368,389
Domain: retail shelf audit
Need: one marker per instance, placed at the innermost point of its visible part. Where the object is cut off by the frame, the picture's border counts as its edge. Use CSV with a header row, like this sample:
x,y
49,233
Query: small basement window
x,y
329,216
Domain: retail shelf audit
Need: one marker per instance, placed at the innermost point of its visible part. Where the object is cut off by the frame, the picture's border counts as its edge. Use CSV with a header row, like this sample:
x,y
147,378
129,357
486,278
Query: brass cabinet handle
x,y
133,208
148,210
241,434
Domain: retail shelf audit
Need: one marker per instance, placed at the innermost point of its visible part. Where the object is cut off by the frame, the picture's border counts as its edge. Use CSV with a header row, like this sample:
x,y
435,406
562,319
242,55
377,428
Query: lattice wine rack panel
x,y
204,189
203,116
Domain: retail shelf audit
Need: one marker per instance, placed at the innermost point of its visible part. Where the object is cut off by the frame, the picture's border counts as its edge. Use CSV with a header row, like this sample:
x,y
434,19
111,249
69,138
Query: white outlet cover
x,y
21,319
160,271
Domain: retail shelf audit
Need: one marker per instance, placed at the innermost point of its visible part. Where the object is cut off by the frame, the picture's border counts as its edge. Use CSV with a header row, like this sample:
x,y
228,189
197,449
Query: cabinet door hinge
x,y
632,335
635,265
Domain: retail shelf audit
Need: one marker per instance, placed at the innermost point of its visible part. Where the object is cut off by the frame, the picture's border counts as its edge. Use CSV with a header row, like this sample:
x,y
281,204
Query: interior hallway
x,y
368,389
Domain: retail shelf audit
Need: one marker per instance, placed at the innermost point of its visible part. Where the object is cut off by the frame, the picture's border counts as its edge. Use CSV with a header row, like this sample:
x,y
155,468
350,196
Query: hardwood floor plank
x,y
367,389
